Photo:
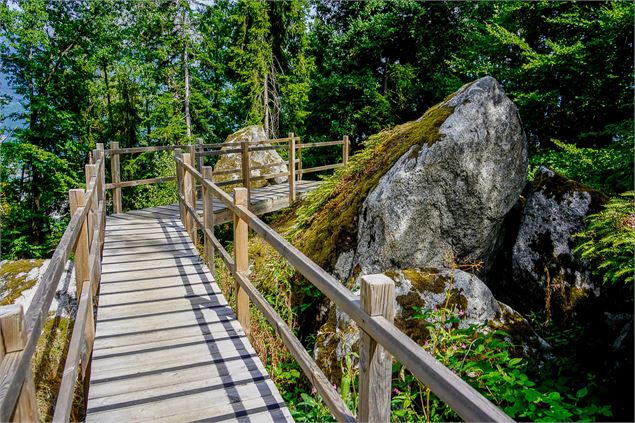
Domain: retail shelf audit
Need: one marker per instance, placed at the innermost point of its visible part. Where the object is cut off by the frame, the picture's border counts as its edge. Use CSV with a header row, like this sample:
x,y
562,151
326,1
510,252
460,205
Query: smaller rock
x,y
256,134
546,272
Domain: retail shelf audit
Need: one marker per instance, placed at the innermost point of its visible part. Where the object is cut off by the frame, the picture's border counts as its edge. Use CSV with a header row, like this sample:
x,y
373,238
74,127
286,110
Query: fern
x,y
608,241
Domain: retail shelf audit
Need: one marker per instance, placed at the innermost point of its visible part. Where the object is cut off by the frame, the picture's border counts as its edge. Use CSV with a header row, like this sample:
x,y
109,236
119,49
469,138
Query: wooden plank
x,y
375,363
245,168
208,219
212,400
241,259
12,328
292,177
13,338
76,198
65,395
115,172
320,144
133,150
137,182
345,150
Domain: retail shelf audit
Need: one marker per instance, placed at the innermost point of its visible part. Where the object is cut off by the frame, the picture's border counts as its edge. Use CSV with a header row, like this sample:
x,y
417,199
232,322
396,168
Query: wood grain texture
x,y
115,172
292,166
76,198
167,345
375,363
241,259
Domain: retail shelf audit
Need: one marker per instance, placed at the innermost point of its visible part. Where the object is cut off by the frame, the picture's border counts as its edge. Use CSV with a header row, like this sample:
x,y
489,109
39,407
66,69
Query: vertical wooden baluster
x,y
13,334
345,150
77,200
241,258
292,190
101,193
299,157
179,183
208,219
375,363
194,194
246,169
89,170
115,170
187,194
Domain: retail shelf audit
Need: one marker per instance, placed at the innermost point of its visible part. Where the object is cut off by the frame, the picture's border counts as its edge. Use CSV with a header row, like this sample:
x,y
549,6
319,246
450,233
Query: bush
x,y
608,169
608,241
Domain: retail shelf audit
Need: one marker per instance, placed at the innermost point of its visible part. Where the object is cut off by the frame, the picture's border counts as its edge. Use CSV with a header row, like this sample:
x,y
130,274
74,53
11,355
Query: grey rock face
x,y
448,199
542,260
256,158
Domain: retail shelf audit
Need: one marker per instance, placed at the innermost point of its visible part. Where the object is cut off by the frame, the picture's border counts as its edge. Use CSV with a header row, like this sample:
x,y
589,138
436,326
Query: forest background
x,y
154,72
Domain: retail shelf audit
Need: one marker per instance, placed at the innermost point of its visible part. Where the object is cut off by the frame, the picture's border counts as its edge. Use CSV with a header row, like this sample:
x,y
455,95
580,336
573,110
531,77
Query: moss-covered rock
x,y
16,277
546,273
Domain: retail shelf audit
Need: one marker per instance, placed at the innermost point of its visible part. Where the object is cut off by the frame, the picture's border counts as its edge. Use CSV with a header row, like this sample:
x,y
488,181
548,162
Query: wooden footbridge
x,y
155,340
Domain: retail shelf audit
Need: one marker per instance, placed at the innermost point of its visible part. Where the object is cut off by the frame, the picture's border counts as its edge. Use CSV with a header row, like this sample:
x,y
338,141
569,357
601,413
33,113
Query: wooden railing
x,y
199,151
372,311
20,331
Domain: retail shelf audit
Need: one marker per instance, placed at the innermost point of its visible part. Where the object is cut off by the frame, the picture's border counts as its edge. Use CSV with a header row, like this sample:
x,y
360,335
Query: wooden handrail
x,y
85,230
449,387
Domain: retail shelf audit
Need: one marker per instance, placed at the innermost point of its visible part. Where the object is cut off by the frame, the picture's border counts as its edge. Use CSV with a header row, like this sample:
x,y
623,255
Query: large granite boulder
x,y
545,270
446,199
231,161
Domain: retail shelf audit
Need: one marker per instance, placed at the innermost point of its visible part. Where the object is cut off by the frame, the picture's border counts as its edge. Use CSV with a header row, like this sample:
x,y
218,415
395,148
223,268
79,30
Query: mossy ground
x,y
327,220
13,279
48,367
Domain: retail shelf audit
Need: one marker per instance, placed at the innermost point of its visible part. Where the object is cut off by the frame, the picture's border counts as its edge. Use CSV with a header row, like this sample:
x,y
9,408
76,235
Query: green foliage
x,y
608,169
608,241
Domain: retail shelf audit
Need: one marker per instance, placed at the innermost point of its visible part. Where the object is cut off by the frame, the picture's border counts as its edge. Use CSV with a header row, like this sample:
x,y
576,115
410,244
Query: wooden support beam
x,y
298,154
90,171
292,189
187,195
193,194
77,200
246,171
208,218
178,156
115,170
345,150
13,334
101,193
375,363
241,259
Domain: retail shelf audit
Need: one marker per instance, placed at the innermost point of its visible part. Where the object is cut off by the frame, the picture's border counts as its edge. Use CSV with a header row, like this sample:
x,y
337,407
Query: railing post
x,y
299,168
208,218
101,194
193,195
115,170
199,157
187,195
292,191
179,183
89,171
241,259
77,200
345,150
375,363
246,169
13,334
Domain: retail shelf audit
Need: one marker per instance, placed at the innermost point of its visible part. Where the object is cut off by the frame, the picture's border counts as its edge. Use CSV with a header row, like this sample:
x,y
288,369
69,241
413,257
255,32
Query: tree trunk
x,y
266,103
188,121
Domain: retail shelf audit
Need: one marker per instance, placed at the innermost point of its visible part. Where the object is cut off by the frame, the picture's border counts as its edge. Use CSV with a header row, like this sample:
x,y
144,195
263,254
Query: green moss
x,y
416,329
557,186
13,279
327,221
427,280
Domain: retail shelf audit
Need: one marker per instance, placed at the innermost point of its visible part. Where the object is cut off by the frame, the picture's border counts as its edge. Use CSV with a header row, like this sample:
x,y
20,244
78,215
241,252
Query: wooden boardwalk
x,y
263,200
167,345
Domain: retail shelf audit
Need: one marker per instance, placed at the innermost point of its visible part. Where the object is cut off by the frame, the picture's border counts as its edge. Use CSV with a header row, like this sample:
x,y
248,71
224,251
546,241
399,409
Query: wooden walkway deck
x,y
167,345
263,200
